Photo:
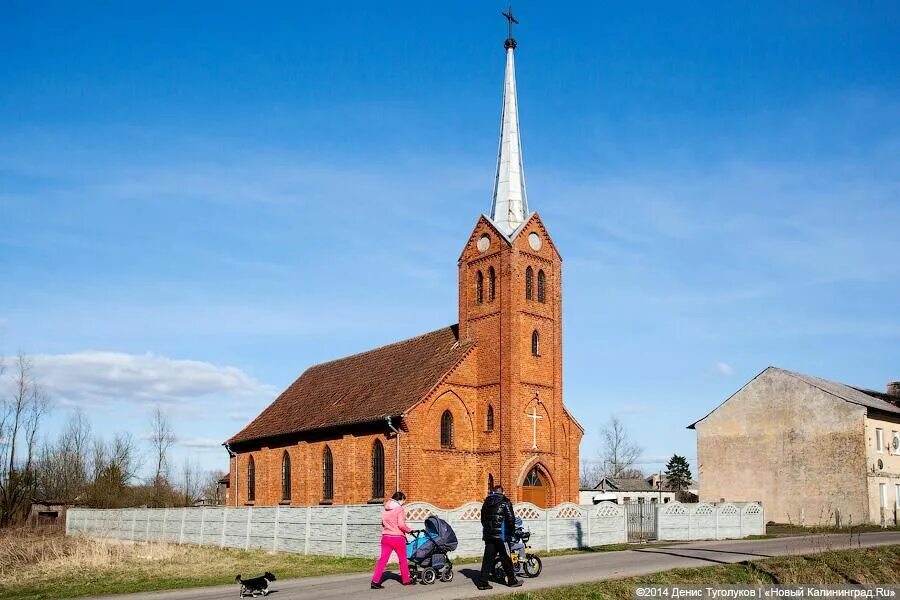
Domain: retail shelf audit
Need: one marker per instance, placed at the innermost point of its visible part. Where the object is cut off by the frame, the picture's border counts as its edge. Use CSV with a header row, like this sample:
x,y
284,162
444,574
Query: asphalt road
x,y
560,570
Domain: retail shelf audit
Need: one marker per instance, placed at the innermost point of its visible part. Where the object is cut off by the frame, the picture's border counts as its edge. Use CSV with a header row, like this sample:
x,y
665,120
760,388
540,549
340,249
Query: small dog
x,y
257,585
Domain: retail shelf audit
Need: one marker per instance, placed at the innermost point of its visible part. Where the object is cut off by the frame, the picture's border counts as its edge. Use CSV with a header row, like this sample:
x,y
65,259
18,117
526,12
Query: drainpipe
x,y
232,455
397,447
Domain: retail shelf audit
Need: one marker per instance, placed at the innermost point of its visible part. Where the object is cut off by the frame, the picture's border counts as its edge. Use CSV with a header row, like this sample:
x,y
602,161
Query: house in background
x,y
630,489
812,451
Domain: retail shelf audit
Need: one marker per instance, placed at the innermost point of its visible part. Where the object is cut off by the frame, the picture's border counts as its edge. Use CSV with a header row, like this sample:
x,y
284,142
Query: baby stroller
x,y
427,551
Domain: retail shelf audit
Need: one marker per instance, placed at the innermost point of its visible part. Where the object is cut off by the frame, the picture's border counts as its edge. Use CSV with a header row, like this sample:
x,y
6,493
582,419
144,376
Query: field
x,y
868,566
47,565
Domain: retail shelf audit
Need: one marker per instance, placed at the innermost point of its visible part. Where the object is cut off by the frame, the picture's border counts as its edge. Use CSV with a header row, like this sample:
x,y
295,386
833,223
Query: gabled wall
x,y
784,442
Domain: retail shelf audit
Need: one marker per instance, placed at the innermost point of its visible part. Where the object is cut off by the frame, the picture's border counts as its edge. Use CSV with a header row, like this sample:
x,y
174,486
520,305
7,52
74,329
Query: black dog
x,y
257,585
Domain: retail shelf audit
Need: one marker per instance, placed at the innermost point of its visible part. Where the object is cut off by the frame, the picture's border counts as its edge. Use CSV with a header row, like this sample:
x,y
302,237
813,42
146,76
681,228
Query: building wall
x,y
888,474
499,371
509,375
588,497
795,448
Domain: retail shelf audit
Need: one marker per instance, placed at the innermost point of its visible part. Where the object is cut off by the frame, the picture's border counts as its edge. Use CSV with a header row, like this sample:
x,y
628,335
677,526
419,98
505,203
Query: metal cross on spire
x,y
509,207
511,20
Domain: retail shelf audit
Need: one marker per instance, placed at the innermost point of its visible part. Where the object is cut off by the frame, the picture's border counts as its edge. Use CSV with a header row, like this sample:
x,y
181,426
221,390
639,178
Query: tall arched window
x,y
479,288
377,470
490,483
492,284
251,480
529,283
490,418
540,290
533,479
286,476
535,343
447,429
327,475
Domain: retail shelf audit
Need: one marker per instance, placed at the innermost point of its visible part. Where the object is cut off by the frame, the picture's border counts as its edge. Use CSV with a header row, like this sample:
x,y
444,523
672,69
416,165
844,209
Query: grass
x,y
45,565
776,529
867,566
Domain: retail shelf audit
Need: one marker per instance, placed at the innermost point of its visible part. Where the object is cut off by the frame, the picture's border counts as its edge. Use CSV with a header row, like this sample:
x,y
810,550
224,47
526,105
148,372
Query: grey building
x,y
812,450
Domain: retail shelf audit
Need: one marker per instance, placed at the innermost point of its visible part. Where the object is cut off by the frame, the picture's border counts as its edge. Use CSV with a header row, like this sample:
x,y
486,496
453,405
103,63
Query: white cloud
x,y
239,416
724,369
201,443
97,378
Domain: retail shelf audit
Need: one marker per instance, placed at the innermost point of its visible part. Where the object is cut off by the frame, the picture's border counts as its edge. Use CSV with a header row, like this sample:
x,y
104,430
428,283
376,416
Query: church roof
x,y
362,388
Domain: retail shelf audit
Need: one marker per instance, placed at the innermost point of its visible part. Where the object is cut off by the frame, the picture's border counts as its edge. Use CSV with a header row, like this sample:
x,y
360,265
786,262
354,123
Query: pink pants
x,y
392,543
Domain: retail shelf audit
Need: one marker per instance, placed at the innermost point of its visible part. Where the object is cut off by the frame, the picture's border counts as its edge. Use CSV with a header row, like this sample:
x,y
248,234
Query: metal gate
x,y
641,520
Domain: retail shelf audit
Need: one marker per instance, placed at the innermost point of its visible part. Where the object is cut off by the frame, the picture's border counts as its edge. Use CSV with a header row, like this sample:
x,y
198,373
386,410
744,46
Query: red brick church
x,y
444,415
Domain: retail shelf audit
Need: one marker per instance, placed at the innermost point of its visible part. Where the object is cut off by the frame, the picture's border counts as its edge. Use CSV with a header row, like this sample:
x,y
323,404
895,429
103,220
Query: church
x,y
450,413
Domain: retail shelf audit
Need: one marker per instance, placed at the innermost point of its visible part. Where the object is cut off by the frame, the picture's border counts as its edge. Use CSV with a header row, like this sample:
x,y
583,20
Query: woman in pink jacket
x,y
393,539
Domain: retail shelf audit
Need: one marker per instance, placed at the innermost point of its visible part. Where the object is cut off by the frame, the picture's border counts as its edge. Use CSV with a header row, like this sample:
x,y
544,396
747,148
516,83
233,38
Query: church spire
x,y
509,207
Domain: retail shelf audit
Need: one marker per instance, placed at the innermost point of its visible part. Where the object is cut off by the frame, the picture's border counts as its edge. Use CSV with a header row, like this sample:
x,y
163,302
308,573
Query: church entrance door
x,y
535,488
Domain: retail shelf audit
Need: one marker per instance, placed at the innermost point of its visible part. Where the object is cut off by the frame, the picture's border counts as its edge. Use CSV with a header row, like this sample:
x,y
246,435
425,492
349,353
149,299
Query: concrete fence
x,y
355,530
707,521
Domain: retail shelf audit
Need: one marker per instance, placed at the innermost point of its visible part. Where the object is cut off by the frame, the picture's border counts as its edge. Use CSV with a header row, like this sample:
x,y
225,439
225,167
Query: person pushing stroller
x,y
498,523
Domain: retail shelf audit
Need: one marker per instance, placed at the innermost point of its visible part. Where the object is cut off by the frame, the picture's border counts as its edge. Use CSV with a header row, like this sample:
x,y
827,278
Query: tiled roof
x,y
861,396
361,388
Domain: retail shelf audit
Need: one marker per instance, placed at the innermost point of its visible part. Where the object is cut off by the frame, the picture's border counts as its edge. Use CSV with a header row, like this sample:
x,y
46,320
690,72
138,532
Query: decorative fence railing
x,y
354,530
707,521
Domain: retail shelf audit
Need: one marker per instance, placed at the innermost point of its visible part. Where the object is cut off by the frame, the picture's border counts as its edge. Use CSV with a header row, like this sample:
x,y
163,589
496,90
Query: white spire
x,y
509,207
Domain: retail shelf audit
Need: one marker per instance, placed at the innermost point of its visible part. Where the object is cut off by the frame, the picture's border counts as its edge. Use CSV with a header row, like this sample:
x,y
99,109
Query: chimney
x,y
893,388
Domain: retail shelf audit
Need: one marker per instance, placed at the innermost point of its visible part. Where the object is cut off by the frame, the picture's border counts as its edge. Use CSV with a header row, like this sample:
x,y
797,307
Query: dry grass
x,y
35,564
868,566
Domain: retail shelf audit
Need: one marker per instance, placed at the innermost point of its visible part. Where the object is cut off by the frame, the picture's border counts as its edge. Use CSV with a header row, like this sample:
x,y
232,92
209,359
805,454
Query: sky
x,y
197,202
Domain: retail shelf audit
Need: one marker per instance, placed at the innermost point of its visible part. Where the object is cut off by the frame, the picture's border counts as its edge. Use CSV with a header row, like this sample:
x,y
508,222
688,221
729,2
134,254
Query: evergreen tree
x,y
678,474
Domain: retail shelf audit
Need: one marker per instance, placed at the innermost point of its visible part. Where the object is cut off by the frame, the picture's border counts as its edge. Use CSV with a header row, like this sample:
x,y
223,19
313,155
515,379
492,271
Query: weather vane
x,y
511,20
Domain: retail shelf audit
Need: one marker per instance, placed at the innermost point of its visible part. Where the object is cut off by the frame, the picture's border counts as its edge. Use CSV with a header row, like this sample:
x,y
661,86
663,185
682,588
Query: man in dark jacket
x,y
498,524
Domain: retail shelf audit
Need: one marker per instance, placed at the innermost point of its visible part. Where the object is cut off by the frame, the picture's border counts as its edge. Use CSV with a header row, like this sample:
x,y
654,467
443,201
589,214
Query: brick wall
x,y
500,371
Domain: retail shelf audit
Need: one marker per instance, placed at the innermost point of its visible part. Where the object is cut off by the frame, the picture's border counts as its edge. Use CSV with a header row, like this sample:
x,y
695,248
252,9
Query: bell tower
x,y
510,304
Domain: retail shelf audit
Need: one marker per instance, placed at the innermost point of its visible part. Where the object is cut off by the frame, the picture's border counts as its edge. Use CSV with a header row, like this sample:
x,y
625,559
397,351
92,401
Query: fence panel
x,y
707,521
355,530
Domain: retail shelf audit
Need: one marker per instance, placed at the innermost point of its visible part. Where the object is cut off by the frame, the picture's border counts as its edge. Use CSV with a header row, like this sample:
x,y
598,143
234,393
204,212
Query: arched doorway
x,y
536,488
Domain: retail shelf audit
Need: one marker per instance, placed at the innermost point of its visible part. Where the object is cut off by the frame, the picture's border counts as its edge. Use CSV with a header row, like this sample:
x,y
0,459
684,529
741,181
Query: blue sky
x,y
196,203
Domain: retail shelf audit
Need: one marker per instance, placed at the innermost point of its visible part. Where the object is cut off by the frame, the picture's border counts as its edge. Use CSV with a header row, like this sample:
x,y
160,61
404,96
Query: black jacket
x,y
498,521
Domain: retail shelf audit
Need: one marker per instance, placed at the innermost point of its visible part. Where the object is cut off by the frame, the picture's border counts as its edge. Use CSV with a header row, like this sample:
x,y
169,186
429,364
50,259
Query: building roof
x,y
630,484
863,397
362,388
509,207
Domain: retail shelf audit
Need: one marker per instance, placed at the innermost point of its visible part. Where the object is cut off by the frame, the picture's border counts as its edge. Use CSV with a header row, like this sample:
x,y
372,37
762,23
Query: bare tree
x,y
617,451
161,439
211,490
114,467
591,474
191,482
62,467
20,418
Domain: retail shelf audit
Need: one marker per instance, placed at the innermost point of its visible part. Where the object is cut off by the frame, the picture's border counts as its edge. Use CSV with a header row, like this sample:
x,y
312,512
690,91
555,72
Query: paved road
x,y
560,570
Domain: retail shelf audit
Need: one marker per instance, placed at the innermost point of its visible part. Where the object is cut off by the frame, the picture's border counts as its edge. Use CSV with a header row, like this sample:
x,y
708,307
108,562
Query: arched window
x,y
490,418
327,475
286,476
492,284
529,283
541,296
490,483
447,429
251,480
533,479
535,343
479,288
377,470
